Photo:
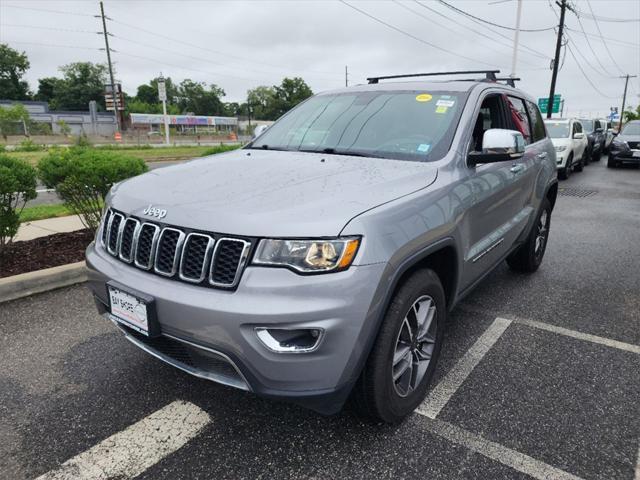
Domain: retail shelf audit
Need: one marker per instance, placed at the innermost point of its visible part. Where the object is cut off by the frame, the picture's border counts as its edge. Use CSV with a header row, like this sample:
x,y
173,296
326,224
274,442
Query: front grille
x,y
205,259
634,145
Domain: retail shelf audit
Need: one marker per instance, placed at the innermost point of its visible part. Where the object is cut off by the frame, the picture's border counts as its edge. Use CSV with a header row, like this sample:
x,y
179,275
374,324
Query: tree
x,y
630,114
11,117
200,99
262,101
81,82
13,66
290,93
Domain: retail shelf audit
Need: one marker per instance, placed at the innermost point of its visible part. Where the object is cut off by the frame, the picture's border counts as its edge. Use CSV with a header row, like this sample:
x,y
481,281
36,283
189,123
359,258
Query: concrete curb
x,y
25,284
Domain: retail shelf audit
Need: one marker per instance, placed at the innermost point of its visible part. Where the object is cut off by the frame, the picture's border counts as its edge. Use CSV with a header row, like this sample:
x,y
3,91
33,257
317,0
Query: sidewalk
x,y
42,228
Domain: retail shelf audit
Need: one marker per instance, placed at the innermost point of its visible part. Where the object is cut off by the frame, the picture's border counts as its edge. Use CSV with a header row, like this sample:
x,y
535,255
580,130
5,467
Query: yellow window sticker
x,y
423,97
441,109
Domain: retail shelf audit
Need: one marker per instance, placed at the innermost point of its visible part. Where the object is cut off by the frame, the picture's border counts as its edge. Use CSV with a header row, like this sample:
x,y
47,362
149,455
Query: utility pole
x,y
624,98
162,95
346,76
116,98
552,91
516,38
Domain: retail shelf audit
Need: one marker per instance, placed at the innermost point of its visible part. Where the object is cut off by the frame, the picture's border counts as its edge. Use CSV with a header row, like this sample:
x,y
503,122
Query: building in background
x,y
197,124
90,122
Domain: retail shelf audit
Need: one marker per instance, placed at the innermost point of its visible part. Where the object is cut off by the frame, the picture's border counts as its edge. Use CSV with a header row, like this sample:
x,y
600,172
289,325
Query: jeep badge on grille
x,y
155,212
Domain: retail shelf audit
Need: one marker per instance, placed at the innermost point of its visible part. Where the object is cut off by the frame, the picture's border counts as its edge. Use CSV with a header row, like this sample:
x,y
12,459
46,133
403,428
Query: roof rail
x,y
489,75
511,81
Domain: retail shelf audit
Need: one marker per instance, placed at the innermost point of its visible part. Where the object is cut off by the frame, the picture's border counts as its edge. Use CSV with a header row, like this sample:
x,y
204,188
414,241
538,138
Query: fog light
x,y
290,340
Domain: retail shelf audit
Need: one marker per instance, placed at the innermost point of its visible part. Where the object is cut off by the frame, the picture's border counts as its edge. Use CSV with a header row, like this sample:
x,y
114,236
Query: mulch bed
x,y
44,252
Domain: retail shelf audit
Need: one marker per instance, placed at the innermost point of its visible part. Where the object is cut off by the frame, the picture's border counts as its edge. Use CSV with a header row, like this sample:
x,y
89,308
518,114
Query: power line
x,y
614,40
418,39
236,57
467,14
54,45
48,10
604,69
586,76
607,19
447,28
522,48
48,28
495,32
602,38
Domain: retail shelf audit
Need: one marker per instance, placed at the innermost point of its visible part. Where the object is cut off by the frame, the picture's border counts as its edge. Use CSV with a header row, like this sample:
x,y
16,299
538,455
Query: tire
x,y
578,167
565,173
611,163
587,157
377,395
528,257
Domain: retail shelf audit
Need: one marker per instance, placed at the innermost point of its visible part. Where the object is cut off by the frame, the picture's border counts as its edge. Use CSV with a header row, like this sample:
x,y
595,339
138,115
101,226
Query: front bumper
x,y
561,159
342,304
625,156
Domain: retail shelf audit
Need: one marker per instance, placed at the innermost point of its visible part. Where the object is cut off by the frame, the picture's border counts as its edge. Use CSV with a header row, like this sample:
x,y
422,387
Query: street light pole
x,y
516,38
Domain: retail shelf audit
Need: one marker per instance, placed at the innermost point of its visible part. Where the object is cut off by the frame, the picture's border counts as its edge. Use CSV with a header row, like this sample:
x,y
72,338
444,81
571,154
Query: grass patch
x,y
143,152
40,212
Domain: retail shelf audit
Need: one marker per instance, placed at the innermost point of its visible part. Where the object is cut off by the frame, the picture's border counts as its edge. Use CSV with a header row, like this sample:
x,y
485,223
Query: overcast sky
x,y
241,44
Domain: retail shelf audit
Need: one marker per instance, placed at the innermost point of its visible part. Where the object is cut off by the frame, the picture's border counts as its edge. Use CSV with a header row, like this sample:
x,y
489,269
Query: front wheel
x,y
528,257
565,173
400,366
611,163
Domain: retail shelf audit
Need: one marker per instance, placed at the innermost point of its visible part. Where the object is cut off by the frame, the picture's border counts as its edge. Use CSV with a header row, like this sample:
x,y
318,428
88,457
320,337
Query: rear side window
x,y
577,127
537,124
519,117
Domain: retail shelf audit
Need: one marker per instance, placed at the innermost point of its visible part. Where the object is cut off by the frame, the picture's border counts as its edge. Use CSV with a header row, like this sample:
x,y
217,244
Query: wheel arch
x,y
552,193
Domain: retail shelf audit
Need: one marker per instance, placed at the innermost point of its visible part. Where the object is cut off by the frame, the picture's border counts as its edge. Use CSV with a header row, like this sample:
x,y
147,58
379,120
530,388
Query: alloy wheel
x,y
414,346
542,233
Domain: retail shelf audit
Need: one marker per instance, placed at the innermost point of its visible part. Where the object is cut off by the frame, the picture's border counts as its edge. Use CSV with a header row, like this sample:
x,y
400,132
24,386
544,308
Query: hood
x,y
561,142
628,138
270,193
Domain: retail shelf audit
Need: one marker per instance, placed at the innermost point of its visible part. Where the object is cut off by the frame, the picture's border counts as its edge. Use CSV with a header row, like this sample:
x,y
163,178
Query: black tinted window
x,y
537,124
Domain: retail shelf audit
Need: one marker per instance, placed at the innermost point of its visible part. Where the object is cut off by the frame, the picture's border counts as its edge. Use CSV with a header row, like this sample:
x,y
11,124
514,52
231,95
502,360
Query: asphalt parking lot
x,y
539,378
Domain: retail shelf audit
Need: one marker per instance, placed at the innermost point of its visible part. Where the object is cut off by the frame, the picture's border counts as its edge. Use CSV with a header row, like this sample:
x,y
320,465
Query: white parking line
x,y
504,455
442,393
130,452
638,466
581,336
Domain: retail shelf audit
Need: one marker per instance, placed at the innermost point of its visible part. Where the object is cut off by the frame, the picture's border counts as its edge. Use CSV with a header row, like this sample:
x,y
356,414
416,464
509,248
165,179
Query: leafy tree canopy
x,y
270,103
13,65
81,82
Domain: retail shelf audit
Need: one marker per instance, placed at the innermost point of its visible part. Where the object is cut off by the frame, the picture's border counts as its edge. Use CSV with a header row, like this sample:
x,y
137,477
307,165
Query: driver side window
x,y
490,116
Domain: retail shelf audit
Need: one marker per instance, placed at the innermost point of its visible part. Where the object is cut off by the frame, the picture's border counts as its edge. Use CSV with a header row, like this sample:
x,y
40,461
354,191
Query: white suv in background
x,y
570,143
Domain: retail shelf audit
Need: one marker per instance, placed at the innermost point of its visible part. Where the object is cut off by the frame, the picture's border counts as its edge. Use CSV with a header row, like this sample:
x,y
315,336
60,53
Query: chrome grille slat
x,y
205,259
168,249
232,248
195,257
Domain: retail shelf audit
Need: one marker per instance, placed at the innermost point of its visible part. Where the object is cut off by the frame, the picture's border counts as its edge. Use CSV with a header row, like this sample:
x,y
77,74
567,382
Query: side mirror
x,y
259,130
599,130
498,145
578,135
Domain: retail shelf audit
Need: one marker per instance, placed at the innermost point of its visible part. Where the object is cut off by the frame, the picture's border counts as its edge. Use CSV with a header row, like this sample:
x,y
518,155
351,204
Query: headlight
x,y
308,256
620,144
561,149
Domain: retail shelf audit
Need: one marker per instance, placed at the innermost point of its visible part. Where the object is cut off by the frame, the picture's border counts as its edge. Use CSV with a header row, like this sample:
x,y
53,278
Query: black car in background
x,y
625,148
596,136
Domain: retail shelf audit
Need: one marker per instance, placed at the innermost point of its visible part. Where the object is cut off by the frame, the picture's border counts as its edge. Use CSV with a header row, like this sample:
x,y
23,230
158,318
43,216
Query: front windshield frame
x,y
442,146
628,126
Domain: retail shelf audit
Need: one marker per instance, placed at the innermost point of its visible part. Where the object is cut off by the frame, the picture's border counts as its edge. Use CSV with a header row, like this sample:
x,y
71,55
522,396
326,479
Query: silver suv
x,y
320,261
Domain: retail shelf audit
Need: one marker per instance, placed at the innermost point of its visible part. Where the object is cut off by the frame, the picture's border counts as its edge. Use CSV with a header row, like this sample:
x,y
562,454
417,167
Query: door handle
x,y
516,168
542,155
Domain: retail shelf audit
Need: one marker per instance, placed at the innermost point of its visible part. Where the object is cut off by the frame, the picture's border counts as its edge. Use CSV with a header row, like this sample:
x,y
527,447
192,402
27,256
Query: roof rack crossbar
x,y
490,75
511,81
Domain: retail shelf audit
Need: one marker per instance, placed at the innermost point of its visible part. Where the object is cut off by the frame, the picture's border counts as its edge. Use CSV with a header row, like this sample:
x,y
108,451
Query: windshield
x,y
403,125
631,129
558,130
587,125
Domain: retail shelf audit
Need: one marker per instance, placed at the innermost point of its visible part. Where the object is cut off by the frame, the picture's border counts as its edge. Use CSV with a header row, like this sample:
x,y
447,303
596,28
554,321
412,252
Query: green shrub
x,y
17,186
82,141
219,149
82,177
28,145
3,148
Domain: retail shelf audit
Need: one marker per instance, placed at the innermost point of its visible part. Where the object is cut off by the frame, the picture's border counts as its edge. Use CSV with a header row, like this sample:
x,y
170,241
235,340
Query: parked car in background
x,y
570,143
625,148
595,135
321,260
608,134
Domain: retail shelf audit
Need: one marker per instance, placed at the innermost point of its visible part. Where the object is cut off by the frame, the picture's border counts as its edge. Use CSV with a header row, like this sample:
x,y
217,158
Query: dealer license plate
x,y
129,309
636,154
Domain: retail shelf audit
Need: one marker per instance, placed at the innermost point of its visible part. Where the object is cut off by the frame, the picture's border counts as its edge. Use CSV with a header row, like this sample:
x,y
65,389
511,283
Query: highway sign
x,y
543,103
